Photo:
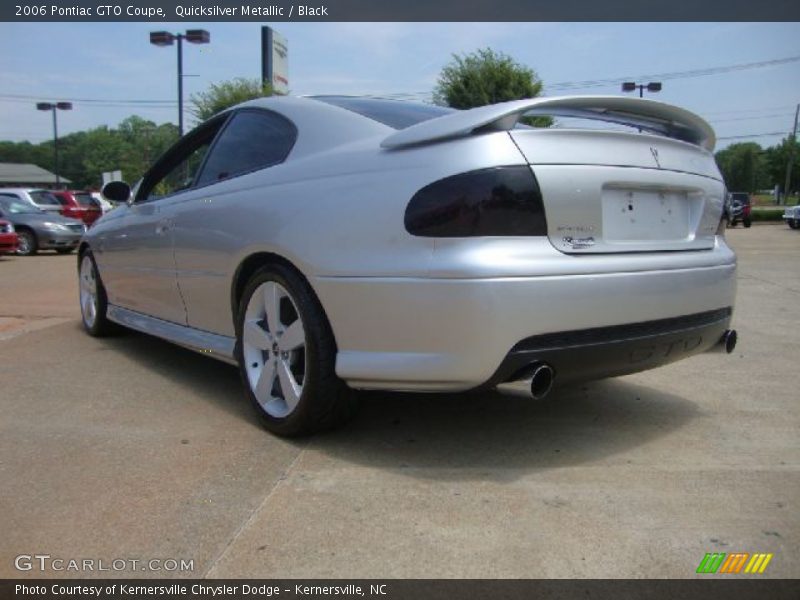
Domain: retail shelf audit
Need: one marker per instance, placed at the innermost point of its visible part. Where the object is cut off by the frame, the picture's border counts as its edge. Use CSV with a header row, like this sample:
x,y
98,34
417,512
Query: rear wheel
x,y
286,354
27,243
94,302
747,222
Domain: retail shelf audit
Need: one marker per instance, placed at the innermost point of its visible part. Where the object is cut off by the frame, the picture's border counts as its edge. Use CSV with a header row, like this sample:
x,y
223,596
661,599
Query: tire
x,y
92,298
28,244
747,223
300,359
793,223
65,250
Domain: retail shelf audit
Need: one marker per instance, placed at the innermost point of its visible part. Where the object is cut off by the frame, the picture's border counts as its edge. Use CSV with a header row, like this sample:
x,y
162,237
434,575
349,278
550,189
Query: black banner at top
x,y
406,10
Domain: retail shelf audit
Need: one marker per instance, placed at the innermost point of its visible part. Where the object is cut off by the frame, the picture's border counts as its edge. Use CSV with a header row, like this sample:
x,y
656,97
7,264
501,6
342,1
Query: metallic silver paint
x,y
413,313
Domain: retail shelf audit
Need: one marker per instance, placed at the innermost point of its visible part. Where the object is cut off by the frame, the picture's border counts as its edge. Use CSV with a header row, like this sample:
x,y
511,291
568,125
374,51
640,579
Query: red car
x,y
79,205
8,238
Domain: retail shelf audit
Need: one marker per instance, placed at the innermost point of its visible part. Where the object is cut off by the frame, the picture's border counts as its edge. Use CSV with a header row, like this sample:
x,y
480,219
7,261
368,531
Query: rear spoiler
x,y
649,115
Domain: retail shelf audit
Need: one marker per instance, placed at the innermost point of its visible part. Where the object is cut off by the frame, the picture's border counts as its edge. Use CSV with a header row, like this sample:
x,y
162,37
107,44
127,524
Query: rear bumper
x,y
447,334
618,350
8,243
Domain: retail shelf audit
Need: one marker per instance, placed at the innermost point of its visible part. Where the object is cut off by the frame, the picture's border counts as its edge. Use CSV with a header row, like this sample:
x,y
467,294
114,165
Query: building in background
x,y
27,175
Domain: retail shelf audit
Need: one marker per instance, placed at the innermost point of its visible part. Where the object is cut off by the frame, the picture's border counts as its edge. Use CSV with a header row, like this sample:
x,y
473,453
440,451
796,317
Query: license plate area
x,y
645,215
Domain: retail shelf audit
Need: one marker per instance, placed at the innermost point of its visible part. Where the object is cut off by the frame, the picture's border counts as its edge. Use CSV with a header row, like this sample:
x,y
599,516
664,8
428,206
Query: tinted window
x,y
393,113
176,170
253,139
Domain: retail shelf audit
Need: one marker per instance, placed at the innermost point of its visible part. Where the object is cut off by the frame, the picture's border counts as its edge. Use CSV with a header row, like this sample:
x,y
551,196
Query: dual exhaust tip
x,y
536,381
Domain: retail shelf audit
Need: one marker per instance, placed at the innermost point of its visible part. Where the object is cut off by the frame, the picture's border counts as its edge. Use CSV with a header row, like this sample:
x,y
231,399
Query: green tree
x,y
223,95
743,167
487,77
777,159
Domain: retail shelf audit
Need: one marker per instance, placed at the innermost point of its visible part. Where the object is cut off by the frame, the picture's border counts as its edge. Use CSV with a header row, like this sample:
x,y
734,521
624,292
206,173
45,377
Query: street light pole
x,y
54,106
790,163
653,86
179,37
165,38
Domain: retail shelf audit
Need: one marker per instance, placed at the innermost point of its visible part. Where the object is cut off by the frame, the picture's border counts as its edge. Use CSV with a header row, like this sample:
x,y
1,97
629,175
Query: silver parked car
x,y
335,243
791,214
40,230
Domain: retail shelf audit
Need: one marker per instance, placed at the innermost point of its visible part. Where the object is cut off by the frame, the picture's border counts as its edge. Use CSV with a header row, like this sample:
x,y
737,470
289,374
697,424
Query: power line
x,y
426,94
751,135
773,116
676,74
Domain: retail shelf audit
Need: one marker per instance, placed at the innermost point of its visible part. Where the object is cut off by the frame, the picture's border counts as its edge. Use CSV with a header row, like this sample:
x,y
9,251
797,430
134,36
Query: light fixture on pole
x,y
55,106
630,86
165,38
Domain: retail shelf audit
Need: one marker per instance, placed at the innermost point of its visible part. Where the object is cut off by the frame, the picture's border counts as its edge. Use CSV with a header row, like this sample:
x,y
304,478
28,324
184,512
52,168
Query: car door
x,y
135,250
206,226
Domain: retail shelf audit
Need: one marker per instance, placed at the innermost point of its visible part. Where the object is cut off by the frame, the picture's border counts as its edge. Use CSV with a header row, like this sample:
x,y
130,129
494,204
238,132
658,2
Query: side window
x,y
253,139
182,175
177,169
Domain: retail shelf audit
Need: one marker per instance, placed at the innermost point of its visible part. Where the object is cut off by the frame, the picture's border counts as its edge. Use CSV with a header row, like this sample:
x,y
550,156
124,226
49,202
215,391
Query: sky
x,y
108,69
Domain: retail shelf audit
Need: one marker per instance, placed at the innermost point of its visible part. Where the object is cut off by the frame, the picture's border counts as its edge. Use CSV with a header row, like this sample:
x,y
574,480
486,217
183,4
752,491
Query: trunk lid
x,y
611,191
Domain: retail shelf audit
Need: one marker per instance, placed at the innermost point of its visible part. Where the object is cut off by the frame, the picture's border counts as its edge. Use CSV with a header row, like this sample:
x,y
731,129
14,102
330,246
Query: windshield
x,y
17,207
394,113
43,197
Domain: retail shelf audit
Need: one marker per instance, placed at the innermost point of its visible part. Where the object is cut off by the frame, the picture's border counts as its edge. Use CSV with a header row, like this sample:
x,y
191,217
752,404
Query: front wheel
x,y
747,222
27,244
793,223
93,300
286,353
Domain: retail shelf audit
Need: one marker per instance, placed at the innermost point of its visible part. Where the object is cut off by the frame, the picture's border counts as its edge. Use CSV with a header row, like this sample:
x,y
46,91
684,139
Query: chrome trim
x,y
213,345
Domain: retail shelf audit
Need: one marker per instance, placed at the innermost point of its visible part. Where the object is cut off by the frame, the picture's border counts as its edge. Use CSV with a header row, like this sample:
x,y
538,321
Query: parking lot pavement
x,y
132,448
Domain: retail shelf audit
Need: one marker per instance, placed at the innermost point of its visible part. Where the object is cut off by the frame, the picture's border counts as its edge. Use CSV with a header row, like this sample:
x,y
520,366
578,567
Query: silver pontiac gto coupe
x,y
330,244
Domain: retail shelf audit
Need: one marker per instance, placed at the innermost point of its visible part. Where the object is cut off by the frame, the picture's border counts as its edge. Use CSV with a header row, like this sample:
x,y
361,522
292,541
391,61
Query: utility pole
x,y
792,144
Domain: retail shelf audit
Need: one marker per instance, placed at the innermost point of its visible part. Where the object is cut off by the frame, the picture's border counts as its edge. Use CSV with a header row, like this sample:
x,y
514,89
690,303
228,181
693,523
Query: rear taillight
x,y
500,201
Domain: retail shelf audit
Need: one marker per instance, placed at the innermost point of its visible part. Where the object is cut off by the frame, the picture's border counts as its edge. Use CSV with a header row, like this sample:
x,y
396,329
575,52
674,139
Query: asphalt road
x,y
130,448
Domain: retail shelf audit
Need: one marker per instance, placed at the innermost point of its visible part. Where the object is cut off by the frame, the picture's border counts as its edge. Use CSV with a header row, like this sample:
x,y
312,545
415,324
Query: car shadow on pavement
x,y
450,436
495,437
209,379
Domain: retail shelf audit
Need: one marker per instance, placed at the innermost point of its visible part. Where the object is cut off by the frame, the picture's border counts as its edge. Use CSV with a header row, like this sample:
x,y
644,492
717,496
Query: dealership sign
x,y
274,60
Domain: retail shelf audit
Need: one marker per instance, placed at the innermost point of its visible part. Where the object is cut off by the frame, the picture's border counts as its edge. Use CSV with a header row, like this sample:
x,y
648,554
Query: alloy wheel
x,y
274,349
88,291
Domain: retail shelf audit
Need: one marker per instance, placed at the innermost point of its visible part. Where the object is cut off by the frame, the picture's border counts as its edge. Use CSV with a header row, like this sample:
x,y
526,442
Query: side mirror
x,y
117,191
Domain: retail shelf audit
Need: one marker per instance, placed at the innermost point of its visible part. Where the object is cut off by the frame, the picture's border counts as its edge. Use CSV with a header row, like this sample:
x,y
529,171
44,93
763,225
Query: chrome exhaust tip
x,y
729,339
535,382
727,343
541,381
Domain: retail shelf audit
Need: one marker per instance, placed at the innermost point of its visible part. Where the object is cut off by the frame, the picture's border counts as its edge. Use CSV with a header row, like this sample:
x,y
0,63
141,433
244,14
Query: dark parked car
x,y
40,230
739,208
79,205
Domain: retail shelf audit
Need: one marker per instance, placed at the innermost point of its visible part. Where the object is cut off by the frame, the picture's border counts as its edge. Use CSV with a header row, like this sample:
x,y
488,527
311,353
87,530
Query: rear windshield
x,y
85,199
394,113
740,197
43,197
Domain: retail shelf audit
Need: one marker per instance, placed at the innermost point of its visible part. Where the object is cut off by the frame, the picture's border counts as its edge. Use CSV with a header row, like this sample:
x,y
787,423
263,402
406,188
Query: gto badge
x,y
654,152
578,243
